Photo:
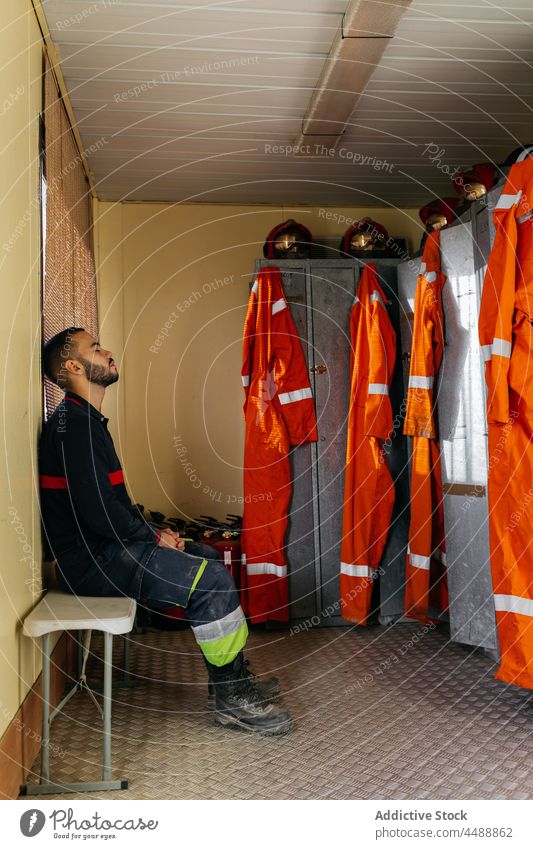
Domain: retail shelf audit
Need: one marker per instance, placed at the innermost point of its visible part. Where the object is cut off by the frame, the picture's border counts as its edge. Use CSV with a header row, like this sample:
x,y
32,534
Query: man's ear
x,y
73,367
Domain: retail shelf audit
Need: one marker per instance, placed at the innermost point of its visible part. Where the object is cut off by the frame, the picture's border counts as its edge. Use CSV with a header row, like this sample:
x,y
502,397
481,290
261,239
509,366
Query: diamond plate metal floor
x,y
379,713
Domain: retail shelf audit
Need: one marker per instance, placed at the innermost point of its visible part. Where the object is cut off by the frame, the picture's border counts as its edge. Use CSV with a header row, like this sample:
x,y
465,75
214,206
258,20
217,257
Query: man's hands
x,y
171,539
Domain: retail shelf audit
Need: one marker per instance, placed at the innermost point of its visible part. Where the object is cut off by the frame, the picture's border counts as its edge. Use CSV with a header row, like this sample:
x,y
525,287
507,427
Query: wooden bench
x,y
61,611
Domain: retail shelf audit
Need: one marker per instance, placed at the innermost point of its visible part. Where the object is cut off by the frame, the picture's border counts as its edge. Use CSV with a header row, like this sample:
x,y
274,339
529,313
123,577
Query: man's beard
x,y
101,375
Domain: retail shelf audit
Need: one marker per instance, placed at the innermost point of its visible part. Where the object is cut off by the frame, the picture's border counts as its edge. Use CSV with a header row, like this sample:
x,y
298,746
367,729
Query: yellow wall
x,y
20,544
180,275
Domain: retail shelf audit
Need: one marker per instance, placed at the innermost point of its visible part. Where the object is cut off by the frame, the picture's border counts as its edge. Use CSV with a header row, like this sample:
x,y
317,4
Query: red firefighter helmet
x,y
439,213
475,182
364,236
288,240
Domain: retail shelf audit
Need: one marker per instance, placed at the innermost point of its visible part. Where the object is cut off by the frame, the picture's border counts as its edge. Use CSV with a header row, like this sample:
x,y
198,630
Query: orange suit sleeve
x,y
426,353
248,343
498,299
291,379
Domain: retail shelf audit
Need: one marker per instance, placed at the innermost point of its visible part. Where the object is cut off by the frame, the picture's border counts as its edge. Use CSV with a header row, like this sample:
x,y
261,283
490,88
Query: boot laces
x,y
247,683
247,672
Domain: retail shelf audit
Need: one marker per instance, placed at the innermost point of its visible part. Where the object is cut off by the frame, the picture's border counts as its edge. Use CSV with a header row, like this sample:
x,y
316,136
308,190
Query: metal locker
x,y
460,399
407,277
333,287
463,440
321,309
483,231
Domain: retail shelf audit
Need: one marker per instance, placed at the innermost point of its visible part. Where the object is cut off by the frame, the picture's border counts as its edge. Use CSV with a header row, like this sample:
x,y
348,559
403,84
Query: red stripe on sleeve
x,y
116,477
51,482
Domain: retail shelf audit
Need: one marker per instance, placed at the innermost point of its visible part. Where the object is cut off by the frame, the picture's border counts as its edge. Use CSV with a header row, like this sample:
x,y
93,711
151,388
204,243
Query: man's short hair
x,y
57,350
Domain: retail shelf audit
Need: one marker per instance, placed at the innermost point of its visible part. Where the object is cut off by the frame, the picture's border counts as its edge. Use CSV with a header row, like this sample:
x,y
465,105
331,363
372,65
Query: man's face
x,y
97,362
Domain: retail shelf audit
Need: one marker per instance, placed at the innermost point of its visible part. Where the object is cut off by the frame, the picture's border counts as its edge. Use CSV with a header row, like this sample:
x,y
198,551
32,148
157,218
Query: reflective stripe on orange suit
x,y
368,485
279,412
506,338
426,581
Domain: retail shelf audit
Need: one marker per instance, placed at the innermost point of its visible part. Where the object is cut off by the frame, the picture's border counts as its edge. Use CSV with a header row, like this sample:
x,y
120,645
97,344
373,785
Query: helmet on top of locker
x,y
439,213
474,183
288,240
363,237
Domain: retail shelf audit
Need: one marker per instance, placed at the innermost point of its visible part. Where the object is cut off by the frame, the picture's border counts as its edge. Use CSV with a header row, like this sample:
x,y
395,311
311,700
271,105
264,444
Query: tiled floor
x,y
379,713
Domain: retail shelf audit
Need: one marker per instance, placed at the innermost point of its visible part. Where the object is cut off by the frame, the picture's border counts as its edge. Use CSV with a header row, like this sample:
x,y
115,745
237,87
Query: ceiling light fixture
x,y
366,29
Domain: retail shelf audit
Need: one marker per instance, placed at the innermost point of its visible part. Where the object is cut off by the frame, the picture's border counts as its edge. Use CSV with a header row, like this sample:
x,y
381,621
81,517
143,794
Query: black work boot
x,y
239,704
268,688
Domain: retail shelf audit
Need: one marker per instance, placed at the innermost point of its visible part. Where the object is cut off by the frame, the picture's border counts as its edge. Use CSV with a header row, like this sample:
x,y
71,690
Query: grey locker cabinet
x,y
320,294
460,402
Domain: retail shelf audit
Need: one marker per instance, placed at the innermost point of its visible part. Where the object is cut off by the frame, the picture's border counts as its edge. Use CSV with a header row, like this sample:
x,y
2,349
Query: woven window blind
x,y
69,279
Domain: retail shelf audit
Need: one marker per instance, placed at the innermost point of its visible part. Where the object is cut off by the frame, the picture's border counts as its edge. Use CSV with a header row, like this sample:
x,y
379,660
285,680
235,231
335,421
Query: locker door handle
x,y
320,369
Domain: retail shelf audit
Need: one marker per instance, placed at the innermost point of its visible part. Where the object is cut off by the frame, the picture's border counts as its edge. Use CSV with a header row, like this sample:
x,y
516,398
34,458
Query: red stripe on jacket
x,y
116,477
53,482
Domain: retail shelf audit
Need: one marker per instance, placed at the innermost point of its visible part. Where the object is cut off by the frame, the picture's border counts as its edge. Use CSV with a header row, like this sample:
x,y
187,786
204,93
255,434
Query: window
x,y
69,278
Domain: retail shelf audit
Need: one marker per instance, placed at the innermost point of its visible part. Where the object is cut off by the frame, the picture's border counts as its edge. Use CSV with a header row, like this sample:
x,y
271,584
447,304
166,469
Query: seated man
x,y
104,546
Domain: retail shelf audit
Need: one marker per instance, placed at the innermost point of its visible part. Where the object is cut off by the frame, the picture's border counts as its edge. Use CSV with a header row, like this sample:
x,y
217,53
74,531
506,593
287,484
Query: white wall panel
x,y
231,79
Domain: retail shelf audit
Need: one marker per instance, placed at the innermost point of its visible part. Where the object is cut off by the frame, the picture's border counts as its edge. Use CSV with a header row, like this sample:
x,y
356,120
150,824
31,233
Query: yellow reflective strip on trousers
x,y
197,577
225,649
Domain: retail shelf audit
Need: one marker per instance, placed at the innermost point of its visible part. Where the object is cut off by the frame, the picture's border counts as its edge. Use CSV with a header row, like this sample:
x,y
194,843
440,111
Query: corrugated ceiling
x,y
180,102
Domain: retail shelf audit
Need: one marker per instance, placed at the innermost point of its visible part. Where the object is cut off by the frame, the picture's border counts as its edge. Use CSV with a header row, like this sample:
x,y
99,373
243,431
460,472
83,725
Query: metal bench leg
x,y
107,783
126,661
126,680
45,741
79,638
108,689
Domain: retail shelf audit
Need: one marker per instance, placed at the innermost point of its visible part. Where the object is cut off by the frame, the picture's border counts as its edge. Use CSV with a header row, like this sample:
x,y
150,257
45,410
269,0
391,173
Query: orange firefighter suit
x,y
426,582
506,338
368,484
279,412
